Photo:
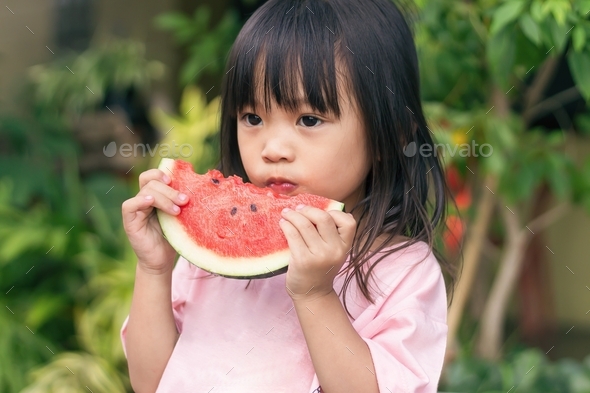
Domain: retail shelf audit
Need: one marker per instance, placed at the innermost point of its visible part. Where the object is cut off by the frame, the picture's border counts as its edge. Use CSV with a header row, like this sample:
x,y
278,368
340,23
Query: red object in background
x,y
453,179
463,199
453,236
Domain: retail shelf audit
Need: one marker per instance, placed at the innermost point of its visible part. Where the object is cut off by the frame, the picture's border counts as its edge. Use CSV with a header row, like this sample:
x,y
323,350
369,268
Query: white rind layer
x,y
210,261
215,263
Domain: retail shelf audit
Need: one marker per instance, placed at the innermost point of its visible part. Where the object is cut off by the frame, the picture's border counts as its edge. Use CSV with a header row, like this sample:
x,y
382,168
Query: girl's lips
x,y
282,188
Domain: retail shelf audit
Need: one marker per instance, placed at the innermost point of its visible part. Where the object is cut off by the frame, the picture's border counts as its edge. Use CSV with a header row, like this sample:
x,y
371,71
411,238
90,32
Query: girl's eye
x,y
310,121
248,116
307,121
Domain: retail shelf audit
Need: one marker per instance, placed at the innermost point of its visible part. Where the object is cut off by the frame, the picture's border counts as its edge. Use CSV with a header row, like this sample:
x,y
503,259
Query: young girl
x,y
319,96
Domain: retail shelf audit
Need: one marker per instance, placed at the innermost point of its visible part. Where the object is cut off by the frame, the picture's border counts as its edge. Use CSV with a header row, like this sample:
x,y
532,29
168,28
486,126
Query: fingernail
x,y
299,207
149,197
282,220
176,209
166,179
285,210
182,197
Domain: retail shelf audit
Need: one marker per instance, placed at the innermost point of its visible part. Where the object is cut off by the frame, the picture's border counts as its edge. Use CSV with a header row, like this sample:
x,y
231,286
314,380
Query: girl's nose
x,y
277,147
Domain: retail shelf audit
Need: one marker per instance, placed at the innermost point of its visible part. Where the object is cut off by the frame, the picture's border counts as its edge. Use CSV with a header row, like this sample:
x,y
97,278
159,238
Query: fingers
x,y
153,174
306,229
153,194
317,227
294,239
137,207
345,224
165,197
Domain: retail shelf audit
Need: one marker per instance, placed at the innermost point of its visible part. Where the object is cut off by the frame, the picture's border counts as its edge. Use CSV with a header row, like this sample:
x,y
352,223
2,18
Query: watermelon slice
x,y
228,227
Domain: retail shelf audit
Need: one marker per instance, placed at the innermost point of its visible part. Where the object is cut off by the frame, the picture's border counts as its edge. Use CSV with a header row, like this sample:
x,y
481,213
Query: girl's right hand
x,y
154,253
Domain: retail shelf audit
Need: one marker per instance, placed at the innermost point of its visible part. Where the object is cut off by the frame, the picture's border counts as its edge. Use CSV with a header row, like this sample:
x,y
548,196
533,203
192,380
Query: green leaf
x,y
172,21
579,38
582,124
559,9
500,54
44,309
202,16
580,382
505,14
536,11
558,34
530,28
550,7
19,242
73,372
528,366
579,63
583,7
528,180
558,176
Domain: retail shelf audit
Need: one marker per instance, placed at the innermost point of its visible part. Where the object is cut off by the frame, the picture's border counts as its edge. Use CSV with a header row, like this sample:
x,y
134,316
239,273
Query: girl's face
x,y
321,155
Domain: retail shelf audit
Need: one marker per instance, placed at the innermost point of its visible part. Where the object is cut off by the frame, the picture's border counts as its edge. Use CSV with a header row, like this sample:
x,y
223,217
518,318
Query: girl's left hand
x,y
317,252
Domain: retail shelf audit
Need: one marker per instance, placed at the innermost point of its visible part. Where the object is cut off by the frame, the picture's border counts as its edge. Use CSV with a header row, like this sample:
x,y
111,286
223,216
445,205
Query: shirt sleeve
x,y
406,328
183,277
407,337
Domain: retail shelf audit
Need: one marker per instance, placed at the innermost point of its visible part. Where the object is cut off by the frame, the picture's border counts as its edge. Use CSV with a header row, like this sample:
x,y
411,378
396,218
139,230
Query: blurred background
x,y
93,92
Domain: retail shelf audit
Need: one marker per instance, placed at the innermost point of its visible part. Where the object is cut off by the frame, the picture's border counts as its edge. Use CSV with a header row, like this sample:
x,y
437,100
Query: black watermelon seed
x,y
253,207
234,210
215,181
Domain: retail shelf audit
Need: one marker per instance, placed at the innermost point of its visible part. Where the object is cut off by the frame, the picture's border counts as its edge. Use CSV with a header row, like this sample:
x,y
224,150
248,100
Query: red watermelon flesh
x,y
229,227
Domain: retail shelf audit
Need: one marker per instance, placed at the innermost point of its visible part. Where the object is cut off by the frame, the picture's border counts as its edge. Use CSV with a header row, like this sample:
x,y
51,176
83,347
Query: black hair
x,y
369,46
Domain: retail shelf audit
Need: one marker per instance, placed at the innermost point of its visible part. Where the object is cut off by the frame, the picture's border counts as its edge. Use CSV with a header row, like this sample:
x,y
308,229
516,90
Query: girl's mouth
x,y
281,186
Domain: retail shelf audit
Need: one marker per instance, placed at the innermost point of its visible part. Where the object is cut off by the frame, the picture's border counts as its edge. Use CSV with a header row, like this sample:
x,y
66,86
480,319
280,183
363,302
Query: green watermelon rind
x,y
202,257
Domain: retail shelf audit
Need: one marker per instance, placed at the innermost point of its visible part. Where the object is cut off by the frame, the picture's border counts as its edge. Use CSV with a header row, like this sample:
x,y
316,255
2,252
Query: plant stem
x,y
474,245
492,322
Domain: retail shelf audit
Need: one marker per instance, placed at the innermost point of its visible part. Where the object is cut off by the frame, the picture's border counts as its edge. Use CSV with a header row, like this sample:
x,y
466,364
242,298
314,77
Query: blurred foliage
x,y
526,371
77,83
20,350
487,69
464,47
524,159
196,126
64,259
207,46
74,372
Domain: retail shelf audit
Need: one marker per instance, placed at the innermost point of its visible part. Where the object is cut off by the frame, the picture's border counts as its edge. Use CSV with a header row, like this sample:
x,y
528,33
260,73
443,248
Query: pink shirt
x,y
239,340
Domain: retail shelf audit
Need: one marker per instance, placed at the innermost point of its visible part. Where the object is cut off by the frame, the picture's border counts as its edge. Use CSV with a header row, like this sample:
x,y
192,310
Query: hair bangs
x,y
290,58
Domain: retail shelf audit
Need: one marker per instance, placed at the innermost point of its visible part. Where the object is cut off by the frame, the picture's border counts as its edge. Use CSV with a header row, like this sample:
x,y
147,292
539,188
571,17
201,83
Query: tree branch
x,y
549,217
540,82
551,104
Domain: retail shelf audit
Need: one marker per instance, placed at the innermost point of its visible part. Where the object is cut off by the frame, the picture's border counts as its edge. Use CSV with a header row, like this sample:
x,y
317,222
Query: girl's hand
x,y
317,252
154,253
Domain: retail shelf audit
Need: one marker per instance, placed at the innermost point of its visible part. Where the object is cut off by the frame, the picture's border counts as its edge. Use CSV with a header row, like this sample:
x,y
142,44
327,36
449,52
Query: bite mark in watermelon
x,y
228,227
